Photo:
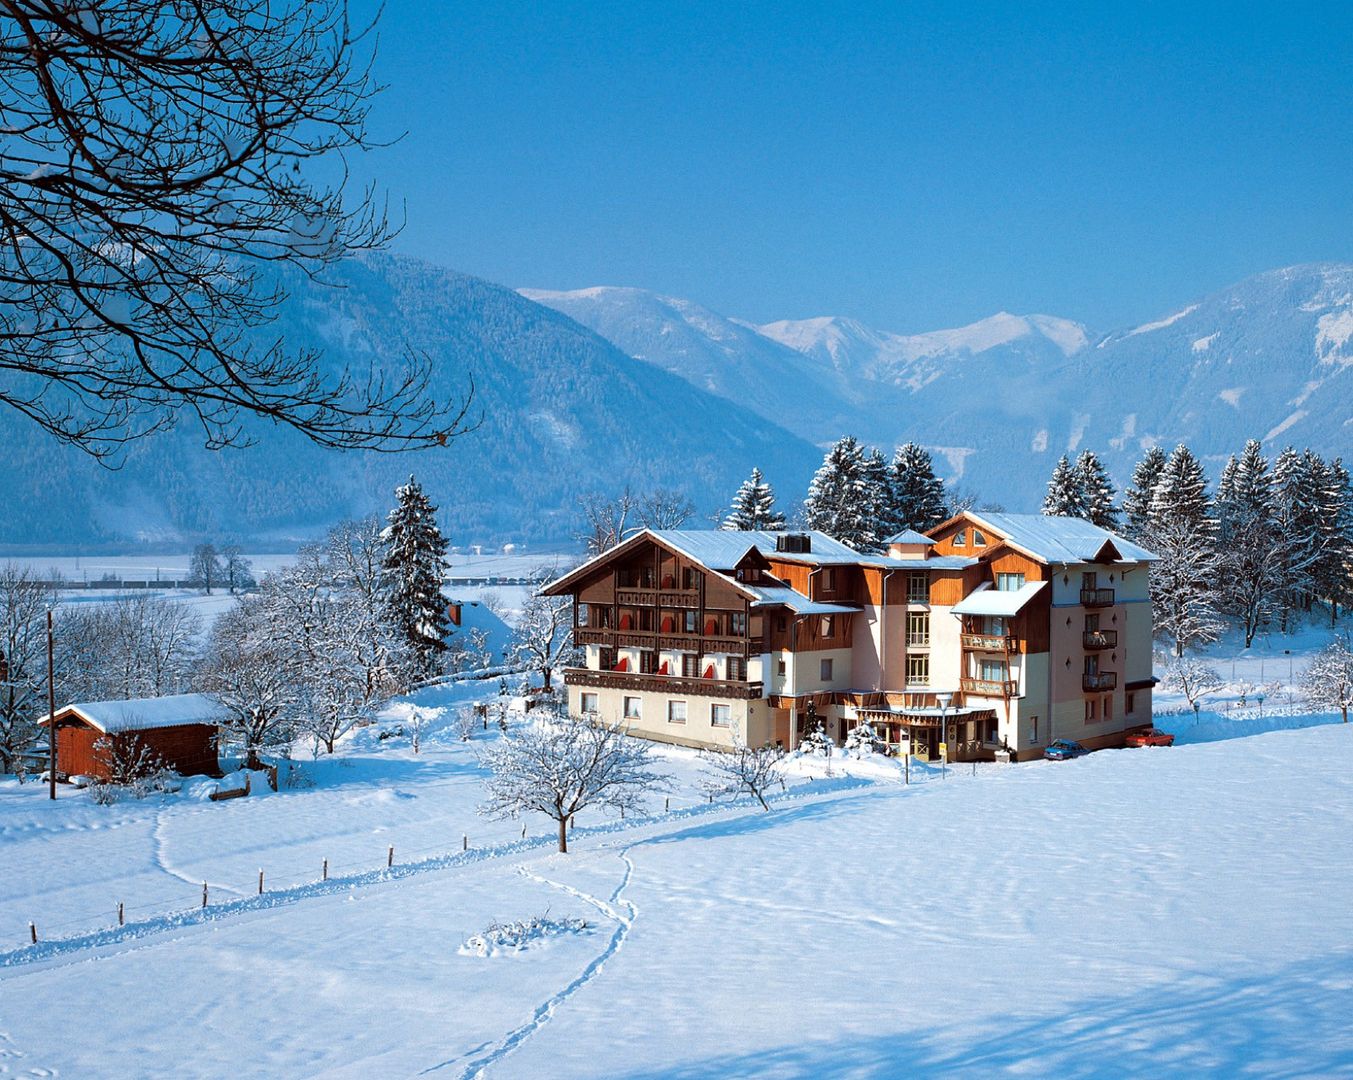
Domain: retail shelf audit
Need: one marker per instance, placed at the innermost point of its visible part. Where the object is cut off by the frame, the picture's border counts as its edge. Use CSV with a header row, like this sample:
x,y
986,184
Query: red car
x,y
1150,737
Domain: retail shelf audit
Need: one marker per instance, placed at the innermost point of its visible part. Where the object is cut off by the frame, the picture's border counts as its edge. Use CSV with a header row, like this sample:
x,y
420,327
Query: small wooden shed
x,y
180,729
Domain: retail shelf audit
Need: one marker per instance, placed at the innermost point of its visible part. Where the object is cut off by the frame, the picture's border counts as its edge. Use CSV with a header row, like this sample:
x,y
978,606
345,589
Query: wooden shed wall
x,y
188,749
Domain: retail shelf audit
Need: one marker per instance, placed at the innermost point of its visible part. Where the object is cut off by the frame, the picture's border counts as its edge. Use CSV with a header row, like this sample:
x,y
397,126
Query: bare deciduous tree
x,y
743,770
543,636
1329,679
561,766
139,646
24,602
155,158
606,522
1191,677
664,508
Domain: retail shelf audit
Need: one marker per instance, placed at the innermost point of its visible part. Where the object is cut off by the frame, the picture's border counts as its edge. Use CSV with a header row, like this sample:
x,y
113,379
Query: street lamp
x,y
1261,706
1196,706
944,700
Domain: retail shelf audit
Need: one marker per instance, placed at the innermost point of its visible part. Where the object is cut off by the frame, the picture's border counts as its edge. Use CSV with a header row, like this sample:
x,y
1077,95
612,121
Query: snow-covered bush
x,y
467,723
131,769
516,936
744,770
817,743
861,740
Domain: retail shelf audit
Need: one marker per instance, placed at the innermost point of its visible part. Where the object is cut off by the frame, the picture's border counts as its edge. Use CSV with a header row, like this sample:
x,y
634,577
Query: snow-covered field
x,y
1160,912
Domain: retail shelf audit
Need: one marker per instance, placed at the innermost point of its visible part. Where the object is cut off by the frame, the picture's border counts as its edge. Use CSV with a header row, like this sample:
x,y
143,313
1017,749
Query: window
x,y
978,540
825,670
583,610
780,667
676,712
828,626
1092,664
588,704
1033,729
633,709
828,579
690,578
690,620
1089,710
1090,580
993,670
721,715
690,666
1130,704
781,624
994,625
737,668
646,618
737,623
1092,623
1009,582
918,587
918,670
961,538
606,659
918,628
1108,706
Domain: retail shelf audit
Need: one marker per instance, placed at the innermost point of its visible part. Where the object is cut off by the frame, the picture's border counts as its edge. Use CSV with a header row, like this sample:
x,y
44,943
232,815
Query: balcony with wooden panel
x,y
1094,681
989,642
1095,640
663,684
1001,688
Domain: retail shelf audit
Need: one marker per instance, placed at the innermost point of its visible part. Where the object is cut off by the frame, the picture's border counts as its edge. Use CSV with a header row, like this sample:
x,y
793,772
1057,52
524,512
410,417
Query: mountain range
x,y
594,389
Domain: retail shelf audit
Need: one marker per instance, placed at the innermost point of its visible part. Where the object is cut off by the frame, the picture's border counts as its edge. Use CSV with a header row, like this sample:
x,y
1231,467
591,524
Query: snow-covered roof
x,y
1059,539
984,600
722,548
909,536
143,714
783,595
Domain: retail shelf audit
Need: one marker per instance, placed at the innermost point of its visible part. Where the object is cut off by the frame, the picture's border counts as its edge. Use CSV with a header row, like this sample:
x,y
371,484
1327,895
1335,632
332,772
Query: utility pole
x,y
51,709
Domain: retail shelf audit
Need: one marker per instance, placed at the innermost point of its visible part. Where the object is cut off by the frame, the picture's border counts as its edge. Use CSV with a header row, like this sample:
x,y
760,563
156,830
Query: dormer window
x,y
978,540
961,538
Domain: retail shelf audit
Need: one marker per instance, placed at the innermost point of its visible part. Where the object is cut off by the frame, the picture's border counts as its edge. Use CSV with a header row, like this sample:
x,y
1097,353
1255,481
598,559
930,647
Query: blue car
x,y
1064,750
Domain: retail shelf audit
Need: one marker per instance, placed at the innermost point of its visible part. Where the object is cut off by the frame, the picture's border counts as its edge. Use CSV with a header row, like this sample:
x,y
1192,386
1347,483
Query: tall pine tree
x,y
415,564
839,501
1137,497
1097,490
1250,547
753,507
916,494
1065,497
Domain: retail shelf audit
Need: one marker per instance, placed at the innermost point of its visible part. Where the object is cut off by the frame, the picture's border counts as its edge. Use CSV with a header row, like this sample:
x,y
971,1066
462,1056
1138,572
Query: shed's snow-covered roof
x,y
984,600
1059,539
143,714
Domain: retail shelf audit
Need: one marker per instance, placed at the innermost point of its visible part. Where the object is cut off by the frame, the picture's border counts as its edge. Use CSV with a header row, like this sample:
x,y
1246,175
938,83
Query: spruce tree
x,y
837,502
415,564
876,494
1065,497
753,507
1137,497
1250,548
1180,495
1298,505
917,495
1097,490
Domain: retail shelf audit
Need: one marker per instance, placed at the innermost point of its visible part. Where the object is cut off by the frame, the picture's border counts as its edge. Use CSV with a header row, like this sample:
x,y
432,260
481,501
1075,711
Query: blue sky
x,y
912,165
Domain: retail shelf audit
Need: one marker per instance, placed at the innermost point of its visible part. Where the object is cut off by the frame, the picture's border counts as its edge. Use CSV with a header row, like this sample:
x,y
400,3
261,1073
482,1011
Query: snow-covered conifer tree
x,y
918,497
1065,497
1183,585
1137,497
1097,490
753,508
839,502
1250,547
1180,495
876,492
415,564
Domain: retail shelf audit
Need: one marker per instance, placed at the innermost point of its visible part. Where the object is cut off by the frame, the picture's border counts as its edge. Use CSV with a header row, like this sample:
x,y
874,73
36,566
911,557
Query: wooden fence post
x,y
33,932
390,857
204,894
260,882
465,842
121,919
326,871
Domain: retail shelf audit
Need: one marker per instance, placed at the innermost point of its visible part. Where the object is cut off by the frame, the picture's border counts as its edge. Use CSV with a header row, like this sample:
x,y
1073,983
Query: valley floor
x,y
1158,912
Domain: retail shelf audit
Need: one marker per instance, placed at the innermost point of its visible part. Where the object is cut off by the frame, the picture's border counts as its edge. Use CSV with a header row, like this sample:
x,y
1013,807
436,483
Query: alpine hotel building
x,y
993,631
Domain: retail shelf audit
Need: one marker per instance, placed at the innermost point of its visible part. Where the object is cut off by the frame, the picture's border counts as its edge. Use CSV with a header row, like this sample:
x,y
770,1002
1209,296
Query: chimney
x,y
453,612
794,543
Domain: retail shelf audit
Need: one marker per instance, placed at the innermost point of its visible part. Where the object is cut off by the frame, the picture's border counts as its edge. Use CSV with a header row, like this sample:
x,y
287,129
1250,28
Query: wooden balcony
x,y
990,642
648,639
627,596
662,684
1100,639
1001,688
1097,597
1099,680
